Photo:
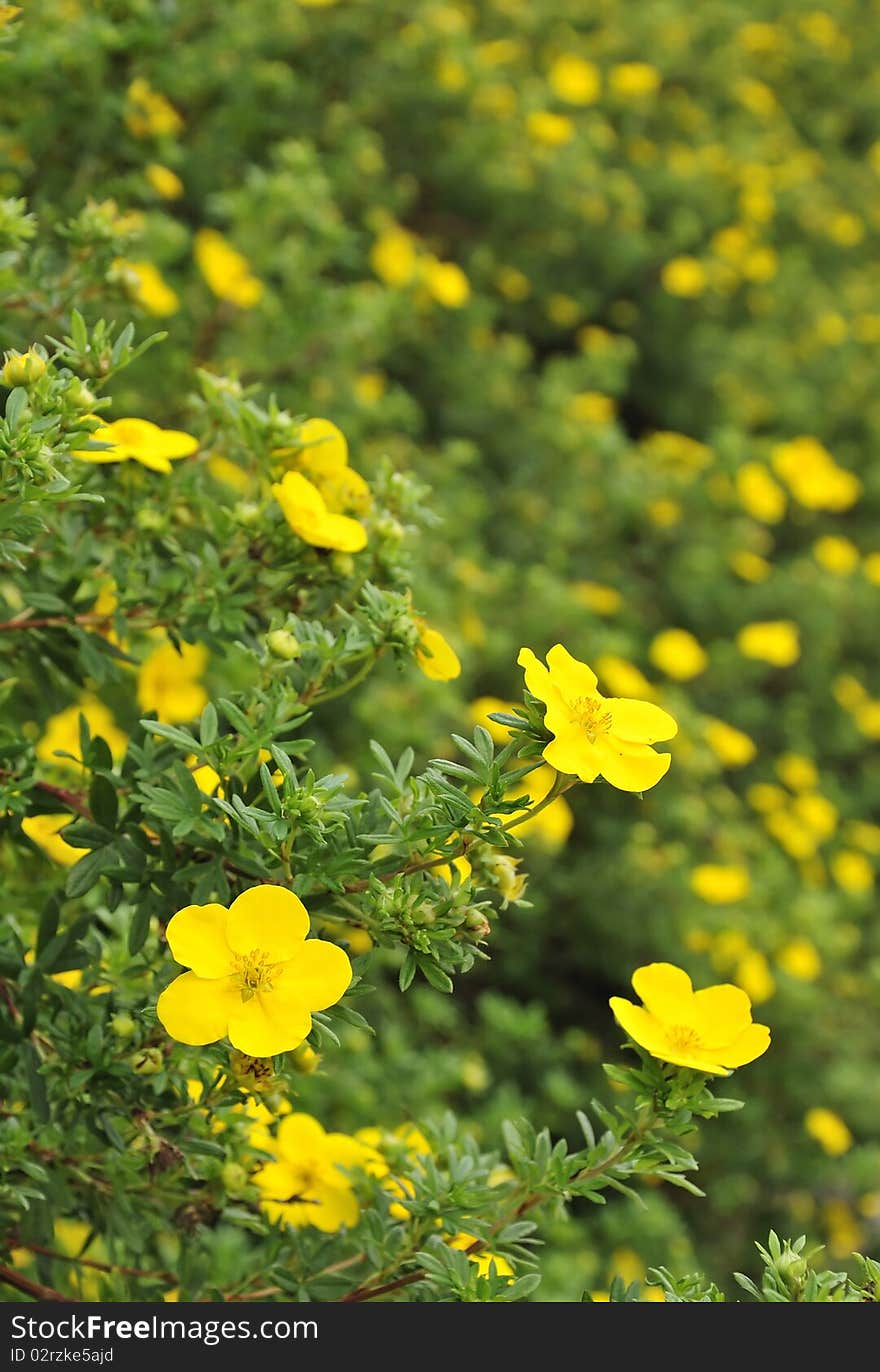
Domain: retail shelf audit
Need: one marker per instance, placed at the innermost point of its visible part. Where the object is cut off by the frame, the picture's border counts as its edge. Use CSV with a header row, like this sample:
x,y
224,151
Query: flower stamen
x,y
253,972
587,712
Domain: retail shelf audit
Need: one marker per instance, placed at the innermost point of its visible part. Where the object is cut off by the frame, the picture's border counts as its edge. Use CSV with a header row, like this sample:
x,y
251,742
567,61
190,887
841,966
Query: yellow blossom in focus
x,y
800,959
708,1031
307,514
148,114
62,732
829,1130
750,566
483,1260
254,976
813,477
307,1181
575,80
45,832
719,884
677,653
394,256
836,554
321,447
761,496
731,746
775,641
435,657
602,600
226,271
632,80
594,735
169,682
148,287
139,440
446,283
685,277
799,773
165,182
549,129
853,872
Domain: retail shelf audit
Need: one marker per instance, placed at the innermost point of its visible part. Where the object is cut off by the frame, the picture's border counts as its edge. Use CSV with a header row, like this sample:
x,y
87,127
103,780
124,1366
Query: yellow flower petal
x,y
269,918
317,975
573,754
341,533
299,1133
436,658
750,1044
641,1026
721,1014
637,721
337,1206
195,1010
631,767
665,989
572,678
197,938
262,1027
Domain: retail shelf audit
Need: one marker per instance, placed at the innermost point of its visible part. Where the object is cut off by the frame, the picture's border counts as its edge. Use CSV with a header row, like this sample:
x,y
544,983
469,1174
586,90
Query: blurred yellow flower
x,y
720,884
226,271
394,256
753,975
446,283
731,746
62,732
799,958
685,277
632,80
592,407
575,80
45,832
148,114
799,773
148,287
480,709
759,494
482,1259
139,440
169,682
829,1130
594,735
165,182
623,677
764,797
254,976
677,653
549,129
513,284
853,872
816,812
435,657
306,512
836,554
813,477
750,566
775,641
708,1031
307,1181
602,600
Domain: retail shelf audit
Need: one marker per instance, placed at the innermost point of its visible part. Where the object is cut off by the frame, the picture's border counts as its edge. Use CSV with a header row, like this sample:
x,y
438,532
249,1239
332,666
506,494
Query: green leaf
x,y
103,800
139,929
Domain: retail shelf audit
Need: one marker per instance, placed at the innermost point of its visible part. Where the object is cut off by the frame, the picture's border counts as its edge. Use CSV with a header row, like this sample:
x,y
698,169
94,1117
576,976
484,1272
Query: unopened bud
x,y
305,1060
234,1177
123,1026
149,520
283,644
256,1074
146,1062
23,369
343,564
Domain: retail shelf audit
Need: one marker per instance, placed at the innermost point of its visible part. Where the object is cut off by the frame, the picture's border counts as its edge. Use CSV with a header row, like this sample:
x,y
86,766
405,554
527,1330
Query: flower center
x,y
588,713
682,1038
253,972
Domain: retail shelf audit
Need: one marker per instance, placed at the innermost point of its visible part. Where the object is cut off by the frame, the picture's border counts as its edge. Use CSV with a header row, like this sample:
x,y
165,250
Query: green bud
x,y
146,1062
23,369
247,513
123,1026
342,564
305,1060
79,395
234,1177
149,520
283,644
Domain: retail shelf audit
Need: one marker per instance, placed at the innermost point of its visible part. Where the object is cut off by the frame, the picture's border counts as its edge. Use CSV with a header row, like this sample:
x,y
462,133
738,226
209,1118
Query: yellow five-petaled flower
x,y
709,1030
254,977
595,735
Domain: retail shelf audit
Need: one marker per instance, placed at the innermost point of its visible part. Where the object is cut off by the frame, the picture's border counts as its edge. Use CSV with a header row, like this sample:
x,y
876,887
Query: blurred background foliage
x,y
604,277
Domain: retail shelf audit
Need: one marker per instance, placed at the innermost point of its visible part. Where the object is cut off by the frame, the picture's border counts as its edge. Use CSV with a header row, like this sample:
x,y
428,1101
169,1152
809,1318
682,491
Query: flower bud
x,y
256,1074
234,1177
305,1060
283,644
123,1025
23,369
342,563
149,520
146,1062
79,395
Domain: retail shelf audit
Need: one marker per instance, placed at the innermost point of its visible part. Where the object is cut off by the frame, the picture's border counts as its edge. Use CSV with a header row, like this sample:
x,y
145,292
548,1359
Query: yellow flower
x,y
62,732
592,407
709,1031
759,494
436,658
797,772
446,283
45,832
750,566
549,129
8,13
817,813
369,387
800,959
550,827
623,677
149,114
255,978
480,709
394,256
164,181
753,975
720,885
305,1183
22,369
634,79
141,441
812,475
853,872
829,1130
482,1258
168,682
406,1141
775,641
731,746
320,442
602,600
594,735
575,80
678,654
685,277
836,554
513,284
306,512
227,271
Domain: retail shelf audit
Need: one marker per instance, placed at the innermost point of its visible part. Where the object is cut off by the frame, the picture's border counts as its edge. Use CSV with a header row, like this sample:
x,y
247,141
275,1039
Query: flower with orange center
x,y
708,1031
254,977
594,735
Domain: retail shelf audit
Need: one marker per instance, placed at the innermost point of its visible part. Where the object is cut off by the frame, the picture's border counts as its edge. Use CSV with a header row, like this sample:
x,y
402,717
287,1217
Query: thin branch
x,y
9,1277
101,1266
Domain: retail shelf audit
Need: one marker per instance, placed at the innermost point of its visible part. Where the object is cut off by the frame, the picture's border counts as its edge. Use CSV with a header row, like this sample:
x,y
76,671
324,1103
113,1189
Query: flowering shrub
x,y
344,354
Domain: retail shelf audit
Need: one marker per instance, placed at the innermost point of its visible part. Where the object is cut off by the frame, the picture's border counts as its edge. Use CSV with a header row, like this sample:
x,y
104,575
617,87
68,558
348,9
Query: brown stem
x,y
9,1277
101,1266
367,1293
68,798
